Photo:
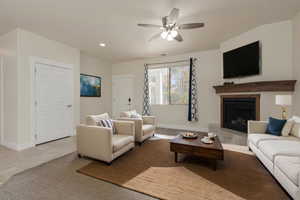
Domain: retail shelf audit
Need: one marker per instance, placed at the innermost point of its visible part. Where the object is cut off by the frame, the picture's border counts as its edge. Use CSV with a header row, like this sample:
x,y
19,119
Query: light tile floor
x,y
13,162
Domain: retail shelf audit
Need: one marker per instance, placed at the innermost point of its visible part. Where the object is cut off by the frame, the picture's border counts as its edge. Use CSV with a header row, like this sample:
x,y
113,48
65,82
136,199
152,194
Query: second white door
x,y
122,91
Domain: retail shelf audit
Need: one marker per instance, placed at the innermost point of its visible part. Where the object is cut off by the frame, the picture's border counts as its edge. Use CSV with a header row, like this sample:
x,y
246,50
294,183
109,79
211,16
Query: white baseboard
x,y
15,146
182,127
10,145
25,146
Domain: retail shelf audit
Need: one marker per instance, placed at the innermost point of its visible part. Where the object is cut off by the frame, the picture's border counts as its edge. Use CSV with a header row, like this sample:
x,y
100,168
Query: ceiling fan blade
x,y
191,26
154,37
178,38
173,16
150,25
164,21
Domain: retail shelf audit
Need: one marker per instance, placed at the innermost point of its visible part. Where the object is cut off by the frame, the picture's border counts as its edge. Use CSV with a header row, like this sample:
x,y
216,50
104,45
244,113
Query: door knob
x,y
69,106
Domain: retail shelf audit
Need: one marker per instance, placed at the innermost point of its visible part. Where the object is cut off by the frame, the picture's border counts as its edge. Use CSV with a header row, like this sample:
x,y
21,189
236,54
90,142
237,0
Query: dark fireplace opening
x,y
237,112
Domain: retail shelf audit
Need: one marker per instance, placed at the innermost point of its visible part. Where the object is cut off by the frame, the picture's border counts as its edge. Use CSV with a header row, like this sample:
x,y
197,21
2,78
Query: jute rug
x,y
150,169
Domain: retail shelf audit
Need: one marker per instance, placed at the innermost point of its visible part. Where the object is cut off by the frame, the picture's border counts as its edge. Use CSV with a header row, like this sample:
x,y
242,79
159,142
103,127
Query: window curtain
x,y
193,103
146,103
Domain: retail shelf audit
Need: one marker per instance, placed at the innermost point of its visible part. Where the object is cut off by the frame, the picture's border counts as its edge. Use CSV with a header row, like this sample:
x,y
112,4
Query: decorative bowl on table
x,y
189,135
207,140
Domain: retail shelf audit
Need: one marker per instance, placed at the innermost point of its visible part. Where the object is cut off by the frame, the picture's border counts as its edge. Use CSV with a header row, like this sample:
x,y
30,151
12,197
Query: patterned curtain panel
x,y
193,103
146,103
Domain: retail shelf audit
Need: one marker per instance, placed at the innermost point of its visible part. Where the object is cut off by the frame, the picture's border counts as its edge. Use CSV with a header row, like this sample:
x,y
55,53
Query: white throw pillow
x,y
128,113
136,116
296,119
296,130
93,119
287,128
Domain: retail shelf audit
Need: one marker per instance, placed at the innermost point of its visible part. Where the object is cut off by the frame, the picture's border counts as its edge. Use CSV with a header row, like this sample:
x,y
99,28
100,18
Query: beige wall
x,y
21,45
276,50
8,51
276,41
96,105
208,70
31,44
296,62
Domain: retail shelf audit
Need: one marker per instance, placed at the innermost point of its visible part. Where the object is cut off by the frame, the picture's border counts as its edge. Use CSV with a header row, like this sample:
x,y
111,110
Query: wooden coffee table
x,y
213,152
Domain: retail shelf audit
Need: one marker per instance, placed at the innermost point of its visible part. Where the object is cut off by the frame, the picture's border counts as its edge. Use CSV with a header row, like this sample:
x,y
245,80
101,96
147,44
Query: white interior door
x,y
122,90
54,99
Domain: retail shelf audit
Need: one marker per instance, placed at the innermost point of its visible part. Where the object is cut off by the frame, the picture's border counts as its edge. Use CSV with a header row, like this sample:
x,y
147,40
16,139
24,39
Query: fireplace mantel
x,y
262,86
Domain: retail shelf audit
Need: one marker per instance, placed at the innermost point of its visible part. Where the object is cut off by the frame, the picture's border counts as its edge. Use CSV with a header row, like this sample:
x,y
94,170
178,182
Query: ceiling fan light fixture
x,y
164,34
170,37
174,33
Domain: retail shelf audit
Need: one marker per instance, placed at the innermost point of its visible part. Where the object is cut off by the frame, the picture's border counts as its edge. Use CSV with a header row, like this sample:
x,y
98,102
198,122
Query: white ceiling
x,y
85,23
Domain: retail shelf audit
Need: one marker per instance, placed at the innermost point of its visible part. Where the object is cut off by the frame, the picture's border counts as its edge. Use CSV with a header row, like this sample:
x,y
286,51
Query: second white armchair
x,y
144,126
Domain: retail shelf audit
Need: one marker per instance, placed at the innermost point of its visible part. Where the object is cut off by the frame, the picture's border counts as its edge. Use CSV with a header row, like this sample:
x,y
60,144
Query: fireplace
x,y
237,110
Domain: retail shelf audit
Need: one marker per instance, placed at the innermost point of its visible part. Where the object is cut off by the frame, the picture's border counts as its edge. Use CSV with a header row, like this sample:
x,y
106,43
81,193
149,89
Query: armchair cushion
x,y
124,127
149,120
92,120
120,141
148,129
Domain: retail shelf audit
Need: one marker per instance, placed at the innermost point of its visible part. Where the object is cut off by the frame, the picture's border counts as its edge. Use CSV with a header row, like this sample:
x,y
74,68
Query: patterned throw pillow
x,y
108,123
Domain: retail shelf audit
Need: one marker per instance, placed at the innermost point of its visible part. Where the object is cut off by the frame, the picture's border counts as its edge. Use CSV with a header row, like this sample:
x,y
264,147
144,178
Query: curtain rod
x,y
171,62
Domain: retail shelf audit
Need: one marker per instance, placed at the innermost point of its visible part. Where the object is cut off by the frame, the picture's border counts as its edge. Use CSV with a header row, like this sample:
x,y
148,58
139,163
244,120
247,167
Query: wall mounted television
x,y
241,62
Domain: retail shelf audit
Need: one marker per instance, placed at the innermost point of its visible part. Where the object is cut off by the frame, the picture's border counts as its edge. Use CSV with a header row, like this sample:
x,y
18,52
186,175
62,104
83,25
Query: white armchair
x,y
144,127
100,142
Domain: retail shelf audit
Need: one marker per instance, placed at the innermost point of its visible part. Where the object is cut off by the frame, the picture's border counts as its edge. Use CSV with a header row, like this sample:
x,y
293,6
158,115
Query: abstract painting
x,y
90,86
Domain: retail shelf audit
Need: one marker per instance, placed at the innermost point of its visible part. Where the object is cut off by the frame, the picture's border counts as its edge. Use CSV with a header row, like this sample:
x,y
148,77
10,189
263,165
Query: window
x,y
169,85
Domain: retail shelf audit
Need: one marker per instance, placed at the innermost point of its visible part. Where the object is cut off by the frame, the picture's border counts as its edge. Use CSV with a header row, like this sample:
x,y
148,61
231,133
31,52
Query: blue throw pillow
x,y
275,126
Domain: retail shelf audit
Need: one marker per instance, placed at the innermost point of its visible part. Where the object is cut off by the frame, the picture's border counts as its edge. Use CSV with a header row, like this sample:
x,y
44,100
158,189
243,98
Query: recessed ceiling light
x,y
102,44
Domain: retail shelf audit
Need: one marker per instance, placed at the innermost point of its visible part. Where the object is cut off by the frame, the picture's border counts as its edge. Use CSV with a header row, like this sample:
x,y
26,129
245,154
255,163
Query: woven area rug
x,y
150,169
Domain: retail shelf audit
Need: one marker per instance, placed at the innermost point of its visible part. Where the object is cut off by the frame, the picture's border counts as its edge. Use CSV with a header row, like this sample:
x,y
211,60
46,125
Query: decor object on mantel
x,y
283,101
262,86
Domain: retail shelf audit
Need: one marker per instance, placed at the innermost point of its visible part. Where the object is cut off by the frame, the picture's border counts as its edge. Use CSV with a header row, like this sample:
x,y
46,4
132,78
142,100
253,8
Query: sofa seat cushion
x,y
148,129
119,141
290,166
273,148
256,138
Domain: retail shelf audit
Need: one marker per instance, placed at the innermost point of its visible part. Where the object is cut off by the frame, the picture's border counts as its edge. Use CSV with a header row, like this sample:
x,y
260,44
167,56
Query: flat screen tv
x,y
243,61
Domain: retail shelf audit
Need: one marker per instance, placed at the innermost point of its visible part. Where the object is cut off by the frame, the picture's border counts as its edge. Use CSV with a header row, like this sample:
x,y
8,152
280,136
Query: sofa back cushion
x,y
295,119
92,120
287,128
296,130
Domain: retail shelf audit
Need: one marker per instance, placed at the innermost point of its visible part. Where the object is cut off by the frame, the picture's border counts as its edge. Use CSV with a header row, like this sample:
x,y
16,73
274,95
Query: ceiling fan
x,y
170,27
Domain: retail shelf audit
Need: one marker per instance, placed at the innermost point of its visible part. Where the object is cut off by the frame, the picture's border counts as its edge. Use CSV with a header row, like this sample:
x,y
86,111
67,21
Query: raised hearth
x,y
262,86
236,110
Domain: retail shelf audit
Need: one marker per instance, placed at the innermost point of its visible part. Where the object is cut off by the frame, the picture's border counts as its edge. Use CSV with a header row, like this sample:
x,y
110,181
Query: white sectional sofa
x,y
279,154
